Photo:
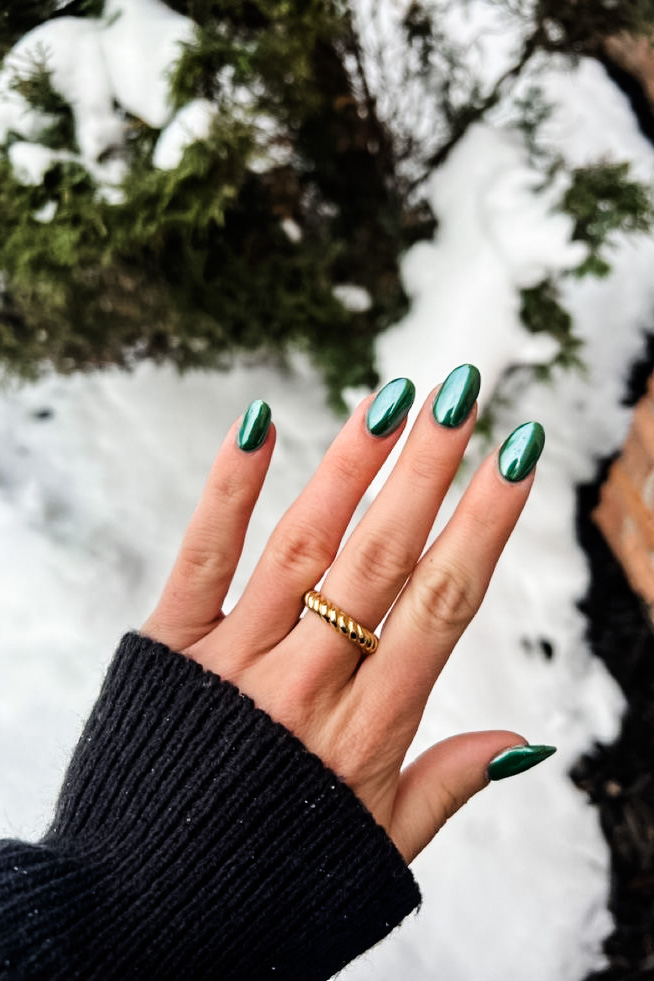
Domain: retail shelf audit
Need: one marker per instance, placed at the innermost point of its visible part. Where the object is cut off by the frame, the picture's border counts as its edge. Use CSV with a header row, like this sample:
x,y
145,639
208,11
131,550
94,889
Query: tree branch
x,y
477,112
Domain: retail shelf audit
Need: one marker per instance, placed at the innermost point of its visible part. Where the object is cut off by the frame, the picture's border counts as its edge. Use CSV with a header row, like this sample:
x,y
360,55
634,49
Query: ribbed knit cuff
x,y
196,838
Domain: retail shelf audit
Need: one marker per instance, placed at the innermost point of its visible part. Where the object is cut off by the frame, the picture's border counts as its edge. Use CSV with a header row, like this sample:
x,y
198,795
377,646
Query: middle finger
x,y
381,553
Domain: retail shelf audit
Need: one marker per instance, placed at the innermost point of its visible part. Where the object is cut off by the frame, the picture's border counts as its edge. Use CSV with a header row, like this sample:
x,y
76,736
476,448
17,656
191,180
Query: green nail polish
x,y
520,452
391,407
255,426
518,759
457,396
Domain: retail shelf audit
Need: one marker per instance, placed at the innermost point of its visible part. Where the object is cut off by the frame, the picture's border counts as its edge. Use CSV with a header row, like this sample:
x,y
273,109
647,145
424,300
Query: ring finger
x,y
450,581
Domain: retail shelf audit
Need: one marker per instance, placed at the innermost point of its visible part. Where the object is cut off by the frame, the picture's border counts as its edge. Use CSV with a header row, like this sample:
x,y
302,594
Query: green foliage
x,y
194,266
532,111
34,83
197,74
603,200
191,269
268,46
541,311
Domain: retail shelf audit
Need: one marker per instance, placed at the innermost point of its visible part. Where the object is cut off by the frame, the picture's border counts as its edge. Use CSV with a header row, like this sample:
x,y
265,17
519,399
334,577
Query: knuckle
x,y
201,562
444,596
445,804
226,487
361,758
425,470
482,523
381,560
300,548
346,467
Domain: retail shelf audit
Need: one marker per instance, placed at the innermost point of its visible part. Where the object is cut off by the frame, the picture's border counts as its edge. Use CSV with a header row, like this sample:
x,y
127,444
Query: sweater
x,y
194,837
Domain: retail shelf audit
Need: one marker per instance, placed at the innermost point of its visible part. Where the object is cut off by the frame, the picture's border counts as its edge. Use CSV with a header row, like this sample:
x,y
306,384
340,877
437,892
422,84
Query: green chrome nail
x,y
520,452
517,760
457,396
391,407
255,426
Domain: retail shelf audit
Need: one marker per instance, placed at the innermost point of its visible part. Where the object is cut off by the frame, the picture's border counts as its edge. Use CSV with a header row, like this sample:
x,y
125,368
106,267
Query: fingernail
x,y
457,396
517,759
520,452
255,426
390,407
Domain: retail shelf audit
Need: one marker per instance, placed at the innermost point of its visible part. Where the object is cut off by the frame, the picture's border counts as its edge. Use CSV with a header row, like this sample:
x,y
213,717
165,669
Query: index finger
x,y
305,542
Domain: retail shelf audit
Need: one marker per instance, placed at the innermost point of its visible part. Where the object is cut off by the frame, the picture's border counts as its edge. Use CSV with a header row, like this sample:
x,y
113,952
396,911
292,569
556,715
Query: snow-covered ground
x,y
99,474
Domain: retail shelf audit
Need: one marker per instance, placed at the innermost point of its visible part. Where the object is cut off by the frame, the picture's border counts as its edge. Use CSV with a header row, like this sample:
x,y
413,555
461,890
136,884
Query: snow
x,y
93,64
70,49
100,473
483,35
505,238
46,213
141,83
93,501
31,161
97,66
191,124
353,297
291,229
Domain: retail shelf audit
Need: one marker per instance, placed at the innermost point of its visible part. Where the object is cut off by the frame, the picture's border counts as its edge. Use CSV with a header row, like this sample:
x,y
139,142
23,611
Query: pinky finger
x,y
440,781
191,603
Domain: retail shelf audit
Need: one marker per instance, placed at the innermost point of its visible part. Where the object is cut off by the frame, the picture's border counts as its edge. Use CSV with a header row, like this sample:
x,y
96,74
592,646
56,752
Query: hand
x,y
358,714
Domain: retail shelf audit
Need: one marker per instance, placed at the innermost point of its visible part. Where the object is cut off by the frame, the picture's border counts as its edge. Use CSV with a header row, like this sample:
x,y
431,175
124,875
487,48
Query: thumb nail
x,y
517,759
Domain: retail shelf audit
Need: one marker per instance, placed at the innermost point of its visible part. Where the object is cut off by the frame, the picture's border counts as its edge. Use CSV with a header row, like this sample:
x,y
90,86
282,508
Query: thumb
x,y
440,781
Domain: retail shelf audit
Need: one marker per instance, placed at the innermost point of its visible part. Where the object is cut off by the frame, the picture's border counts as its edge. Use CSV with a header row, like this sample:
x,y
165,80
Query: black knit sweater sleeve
x,y
195,838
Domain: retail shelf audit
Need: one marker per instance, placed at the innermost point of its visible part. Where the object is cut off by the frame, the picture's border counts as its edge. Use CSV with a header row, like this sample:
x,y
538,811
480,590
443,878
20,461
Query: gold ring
x,y
341,621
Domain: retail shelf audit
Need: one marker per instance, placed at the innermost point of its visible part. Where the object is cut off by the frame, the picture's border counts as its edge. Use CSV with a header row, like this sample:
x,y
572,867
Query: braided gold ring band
x,y
339,620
